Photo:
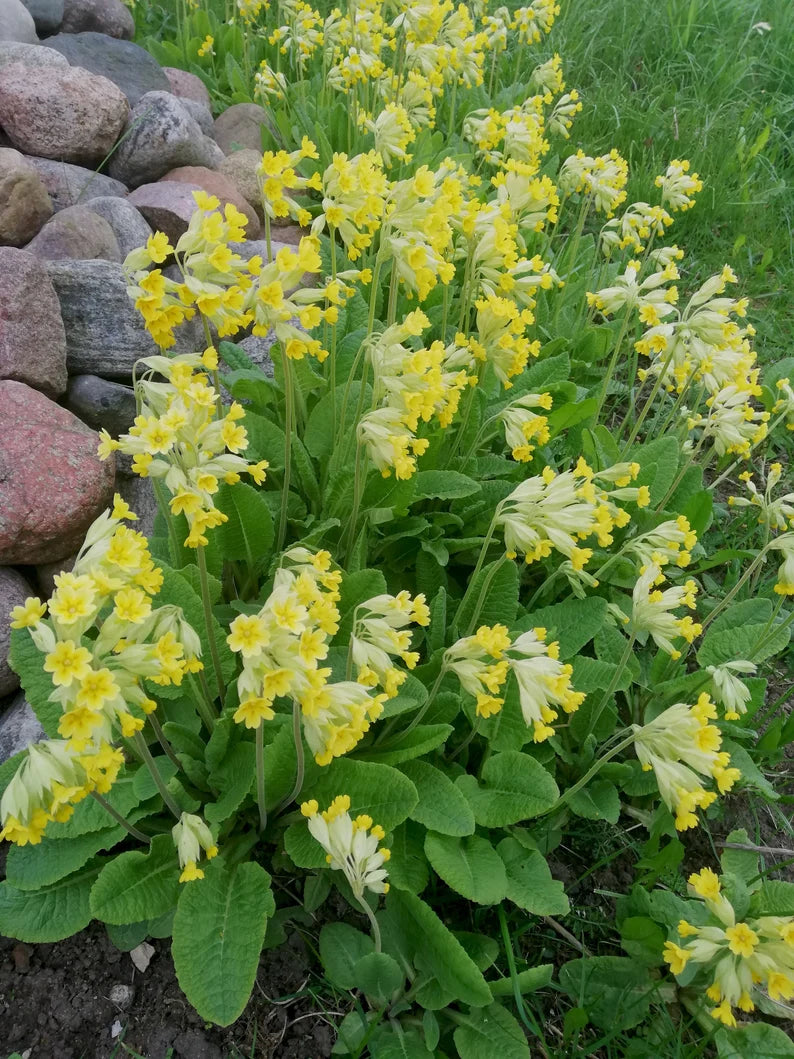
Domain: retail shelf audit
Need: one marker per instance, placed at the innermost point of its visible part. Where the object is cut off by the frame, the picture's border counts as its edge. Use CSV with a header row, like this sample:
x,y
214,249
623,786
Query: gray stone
x,y
258,349
201,114
47,572
167,206
98,16
14,51
139,494
161,135
102,404
69,185
16,22
129,226
19,727
122,62
47,15
14,590
61,112
104,332
24,202
241,126
32,342
242,168
215,183
75,233
121,995
187,85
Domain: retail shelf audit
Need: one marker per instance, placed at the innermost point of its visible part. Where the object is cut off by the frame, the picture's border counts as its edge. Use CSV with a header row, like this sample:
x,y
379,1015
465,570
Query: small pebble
x,y
122,995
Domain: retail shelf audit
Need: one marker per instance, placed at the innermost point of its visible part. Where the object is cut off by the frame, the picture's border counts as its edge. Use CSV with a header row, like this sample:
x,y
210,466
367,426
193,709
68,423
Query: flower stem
x,y
208,620
595,768
139,835
373,923
289,400
162,503
486,585
299,772
260,775
157,728
145,753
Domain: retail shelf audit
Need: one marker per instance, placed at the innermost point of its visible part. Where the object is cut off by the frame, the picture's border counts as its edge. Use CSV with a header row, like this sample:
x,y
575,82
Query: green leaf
x,y
265,441
775,898
324,422
470,866
441,953
379,791
177,590
33,867
419,741
378,975
754,1040
219,929
27,662
408,867
302,848
248,534
441,806
658,462
136,885
341,948
528,981
615,990
444,485
488,1032
572,623
515,787
47,915
495,589
356,588
731,637
529,881
234,778
599,800
393,1041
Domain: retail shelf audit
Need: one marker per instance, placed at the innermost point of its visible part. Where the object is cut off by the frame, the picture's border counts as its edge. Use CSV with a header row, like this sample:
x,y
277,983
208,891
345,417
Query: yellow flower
x,y
705,884
742,940
28,614
67,662
248,634
132,605
96,688
205,48
676,957
158,247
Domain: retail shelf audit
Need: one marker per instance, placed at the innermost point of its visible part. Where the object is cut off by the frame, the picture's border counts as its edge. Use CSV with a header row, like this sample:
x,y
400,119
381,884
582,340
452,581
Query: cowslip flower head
x,y
544,683
192,837
682,749
738,958
380,632
480,665
351,845
652,612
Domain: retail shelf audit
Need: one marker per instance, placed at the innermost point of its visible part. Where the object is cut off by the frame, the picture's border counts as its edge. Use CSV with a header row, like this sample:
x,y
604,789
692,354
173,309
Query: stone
x,y
128,224
61,112
47,572
32,343
14,51
69,185
241,126
75,233
217,184
52,483
19,727
104,331
98,16
258,349
187,86
160,136
47,15
167,206
121,995
16,22
102,404
122,62
139,494
242,168
201,114
24,202
14,590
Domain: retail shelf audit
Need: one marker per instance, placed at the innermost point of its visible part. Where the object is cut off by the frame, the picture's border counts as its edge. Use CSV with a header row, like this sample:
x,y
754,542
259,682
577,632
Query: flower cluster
x,y
101,639
351,845
179,437
740,957
652,611
680,746
380,632
192,836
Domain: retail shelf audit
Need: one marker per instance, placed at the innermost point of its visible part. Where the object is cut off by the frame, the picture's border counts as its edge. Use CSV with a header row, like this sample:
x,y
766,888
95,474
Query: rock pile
x,y
100,145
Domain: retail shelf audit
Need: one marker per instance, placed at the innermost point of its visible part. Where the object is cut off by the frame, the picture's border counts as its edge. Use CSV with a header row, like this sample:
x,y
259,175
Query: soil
x,y
55,1003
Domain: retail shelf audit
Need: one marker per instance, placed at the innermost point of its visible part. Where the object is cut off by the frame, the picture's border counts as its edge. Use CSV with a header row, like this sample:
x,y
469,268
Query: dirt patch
x,y
56,1000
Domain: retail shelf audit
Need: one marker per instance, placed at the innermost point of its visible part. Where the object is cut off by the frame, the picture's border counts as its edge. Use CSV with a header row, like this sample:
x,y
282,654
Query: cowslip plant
x,y
440,586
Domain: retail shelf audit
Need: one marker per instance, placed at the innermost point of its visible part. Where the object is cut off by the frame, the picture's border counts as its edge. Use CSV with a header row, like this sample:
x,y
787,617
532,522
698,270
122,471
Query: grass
x,y
703,80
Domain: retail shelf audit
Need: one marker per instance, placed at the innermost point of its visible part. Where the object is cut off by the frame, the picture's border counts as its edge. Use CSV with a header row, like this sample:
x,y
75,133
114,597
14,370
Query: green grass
x,y
694,79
